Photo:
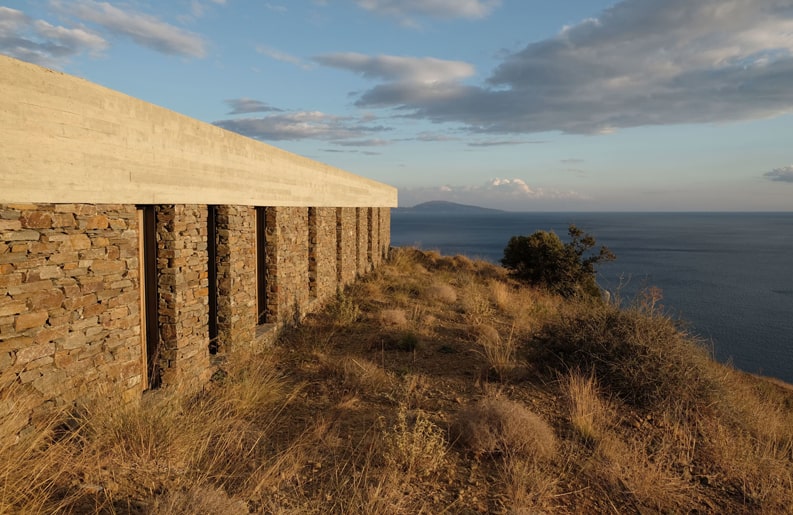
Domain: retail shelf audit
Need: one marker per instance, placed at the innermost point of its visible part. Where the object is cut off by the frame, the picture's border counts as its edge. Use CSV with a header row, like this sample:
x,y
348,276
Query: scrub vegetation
x,y
434,385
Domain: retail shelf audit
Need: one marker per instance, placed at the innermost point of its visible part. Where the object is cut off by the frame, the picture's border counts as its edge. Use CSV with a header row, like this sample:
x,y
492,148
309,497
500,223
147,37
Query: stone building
x,y
135,242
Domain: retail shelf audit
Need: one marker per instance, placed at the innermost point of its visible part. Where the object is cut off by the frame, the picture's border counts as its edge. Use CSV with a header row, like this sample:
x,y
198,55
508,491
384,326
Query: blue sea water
x,y
728,275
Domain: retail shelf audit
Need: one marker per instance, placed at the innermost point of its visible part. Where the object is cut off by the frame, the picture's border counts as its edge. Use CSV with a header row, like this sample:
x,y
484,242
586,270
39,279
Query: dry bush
x,y
344,311
393,318
589,414
499,426
475,303
441,292
643,359
414,445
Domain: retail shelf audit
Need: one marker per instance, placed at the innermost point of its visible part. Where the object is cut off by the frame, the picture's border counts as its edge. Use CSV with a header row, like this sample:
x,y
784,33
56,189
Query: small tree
x,y
565,268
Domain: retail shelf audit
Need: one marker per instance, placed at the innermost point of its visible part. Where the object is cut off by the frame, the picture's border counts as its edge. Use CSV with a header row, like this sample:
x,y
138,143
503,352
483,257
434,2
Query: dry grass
x,y
499,352
590,415
615,411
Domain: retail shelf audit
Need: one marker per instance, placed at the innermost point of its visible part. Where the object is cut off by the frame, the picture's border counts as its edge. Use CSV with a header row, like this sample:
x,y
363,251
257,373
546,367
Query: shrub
x,y
565,268
496,425
643,359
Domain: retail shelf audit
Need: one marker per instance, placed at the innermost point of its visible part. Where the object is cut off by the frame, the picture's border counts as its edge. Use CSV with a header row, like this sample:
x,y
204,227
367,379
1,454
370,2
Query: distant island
x,y
442,206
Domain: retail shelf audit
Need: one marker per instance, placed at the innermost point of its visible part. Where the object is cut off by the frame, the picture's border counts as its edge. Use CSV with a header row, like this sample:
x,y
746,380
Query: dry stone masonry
x,y
134,257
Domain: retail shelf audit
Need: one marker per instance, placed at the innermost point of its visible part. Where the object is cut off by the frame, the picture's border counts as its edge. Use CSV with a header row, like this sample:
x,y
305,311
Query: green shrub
x,y
565,268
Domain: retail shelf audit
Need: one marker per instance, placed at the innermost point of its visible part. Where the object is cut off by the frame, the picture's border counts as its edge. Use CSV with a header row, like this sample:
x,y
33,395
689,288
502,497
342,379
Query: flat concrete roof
x,y
66,140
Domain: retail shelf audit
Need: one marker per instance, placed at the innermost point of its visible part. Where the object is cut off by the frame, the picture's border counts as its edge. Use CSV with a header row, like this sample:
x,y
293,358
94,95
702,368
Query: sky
x,y
524,105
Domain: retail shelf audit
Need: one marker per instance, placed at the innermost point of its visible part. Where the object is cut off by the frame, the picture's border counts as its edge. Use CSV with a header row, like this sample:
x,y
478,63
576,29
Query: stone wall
x,y
347,245
71,319
69,305
385,231
362,232
287,271
236,266
323,253
183,284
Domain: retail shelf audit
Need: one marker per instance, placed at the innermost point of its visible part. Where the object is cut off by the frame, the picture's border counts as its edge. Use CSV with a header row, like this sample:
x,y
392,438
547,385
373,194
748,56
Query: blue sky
x,y
659,105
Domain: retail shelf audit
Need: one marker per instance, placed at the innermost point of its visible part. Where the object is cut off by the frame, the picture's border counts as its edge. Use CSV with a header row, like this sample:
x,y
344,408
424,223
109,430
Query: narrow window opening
x,y
358,239
148,275
261,265
369,236
312,252
339,239
212,269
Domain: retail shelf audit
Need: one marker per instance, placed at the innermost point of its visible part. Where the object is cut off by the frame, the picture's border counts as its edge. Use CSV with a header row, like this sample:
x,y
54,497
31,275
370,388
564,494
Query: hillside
x,y
444,207
434,385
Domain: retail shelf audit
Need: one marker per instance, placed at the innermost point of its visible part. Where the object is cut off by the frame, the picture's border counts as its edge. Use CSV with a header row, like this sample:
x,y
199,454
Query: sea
x,y
728,277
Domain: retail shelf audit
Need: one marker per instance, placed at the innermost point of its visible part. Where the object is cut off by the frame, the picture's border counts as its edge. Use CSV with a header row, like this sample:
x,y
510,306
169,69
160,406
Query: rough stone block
x,y
36,220
30,320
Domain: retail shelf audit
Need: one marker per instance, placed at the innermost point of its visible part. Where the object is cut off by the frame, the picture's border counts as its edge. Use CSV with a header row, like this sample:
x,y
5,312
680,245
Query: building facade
x,y
136,243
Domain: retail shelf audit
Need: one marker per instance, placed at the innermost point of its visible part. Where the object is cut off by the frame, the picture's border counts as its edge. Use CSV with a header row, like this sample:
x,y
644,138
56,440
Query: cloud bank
x,y
638,63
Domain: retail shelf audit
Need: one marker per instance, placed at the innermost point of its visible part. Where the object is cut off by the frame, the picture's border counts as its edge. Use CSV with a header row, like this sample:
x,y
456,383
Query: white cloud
x,y
784,174
283,57
301,125
40,42
407,10
638,63
510,194
143,29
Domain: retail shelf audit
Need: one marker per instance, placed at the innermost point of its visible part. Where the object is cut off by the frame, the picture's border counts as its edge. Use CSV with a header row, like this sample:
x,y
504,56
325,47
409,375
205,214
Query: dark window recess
x,y
261,265
151,295
212,269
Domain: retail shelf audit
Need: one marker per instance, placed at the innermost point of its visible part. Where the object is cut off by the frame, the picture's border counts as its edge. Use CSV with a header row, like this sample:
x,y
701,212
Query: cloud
x,y
638,63
249,105
408,80
503,142
301,125
363,143
143,29
283,57
276,7
513,194
424,70
784,174
39,42
407,10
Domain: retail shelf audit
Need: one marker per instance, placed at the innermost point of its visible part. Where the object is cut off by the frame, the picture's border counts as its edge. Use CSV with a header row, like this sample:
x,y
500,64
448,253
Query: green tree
x,y
543,260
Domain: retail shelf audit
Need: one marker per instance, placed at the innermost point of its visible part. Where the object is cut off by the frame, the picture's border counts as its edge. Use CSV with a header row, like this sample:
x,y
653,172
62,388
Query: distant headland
x,y
443,206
